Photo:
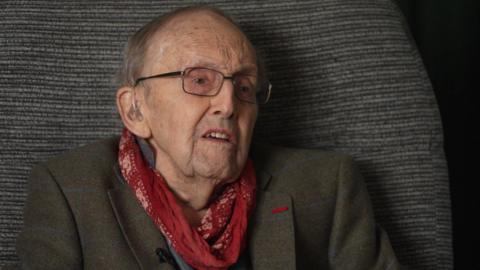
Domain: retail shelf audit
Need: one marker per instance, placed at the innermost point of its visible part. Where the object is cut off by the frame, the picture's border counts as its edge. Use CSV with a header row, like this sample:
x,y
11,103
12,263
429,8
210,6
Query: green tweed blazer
x,y
313,212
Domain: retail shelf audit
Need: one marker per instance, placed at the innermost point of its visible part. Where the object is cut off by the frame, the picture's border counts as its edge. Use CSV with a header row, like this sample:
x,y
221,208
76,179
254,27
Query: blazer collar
x,y
138,229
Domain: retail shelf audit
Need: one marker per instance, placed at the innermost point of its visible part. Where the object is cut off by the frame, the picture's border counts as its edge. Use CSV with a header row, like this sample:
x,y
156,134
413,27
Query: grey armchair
x,y
346,75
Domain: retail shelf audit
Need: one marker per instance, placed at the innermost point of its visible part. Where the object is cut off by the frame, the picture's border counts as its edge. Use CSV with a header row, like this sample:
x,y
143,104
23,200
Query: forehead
x,y
202,38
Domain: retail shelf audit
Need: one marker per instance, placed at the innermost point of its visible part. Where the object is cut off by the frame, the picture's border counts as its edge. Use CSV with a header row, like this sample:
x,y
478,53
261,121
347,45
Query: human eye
x,y
245,88
199,78
199,81
245,84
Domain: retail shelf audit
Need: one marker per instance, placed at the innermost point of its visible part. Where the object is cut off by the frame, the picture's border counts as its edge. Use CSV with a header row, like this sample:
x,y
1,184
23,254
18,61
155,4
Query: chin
x,y
223,171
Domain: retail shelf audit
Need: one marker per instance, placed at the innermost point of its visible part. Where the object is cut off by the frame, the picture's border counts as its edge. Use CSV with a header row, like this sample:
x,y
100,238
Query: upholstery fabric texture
x,y
346,77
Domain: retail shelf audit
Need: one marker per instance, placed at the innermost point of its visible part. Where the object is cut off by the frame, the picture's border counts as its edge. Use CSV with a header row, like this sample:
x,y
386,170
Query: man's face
x,y
197,136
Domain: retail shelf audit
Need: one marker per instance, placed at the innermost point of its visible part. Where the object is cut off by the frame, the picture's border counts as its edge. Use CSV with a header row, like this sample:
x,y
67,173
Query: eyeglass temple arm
x,y
169,74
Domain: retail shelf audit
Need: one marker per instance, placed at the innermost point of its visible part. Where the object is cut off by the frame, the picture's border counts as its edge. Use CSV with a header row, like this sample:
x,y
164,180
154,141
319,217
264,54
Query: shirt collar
x,y
146,151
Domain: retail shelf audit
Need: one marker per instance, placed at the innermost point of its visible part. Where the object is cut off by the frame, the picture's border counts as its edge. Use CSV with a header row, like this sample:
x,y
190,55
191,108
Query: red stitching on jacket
x,y
279,209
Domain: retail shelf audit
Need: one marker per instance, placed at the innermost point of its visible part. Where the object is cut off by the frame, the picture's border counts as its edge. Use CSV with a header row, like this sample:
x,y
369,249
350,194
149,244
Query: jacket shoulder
x,y
307,174
86,162
274,158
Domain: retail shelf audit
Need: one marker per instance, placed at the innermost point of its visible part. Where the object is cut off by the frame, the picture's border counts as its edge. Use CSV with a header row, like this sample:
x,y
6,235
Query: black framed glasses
x,y
202,81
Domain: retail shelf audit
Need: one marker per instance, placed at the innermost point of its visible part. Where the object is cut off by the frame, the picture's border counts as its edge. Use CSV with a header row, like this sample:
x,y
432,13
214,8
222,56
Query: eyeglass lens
x,y
207,82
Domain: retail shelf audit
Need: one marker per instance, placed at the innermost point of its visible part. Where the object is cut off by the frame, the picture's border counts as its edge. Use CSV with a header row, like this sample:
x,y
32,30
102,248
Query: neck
x,y
193,193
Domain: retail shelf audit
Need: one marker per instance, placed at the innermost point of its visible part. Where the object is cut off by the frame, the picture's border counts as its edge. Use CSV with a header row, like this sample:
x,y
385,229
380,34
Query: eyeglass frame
x,y
182,74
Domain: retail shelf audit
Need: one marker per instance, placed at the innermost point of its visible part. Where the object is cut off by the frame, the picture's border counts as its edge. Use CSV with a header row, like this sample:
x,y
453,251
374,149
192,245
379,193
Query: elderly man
x,y
182,188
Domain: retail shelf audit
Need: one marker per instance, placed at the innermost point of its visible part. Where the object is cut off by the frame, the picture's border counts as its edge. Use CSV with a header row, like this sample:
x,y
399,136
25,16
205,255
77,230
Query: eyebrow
x,y
247,69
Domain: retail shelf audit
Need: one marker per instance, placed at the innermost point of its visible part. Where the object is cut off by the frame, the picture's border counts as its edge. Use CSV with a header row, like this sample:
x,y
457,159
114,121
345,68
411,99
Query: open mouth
x,y
218,136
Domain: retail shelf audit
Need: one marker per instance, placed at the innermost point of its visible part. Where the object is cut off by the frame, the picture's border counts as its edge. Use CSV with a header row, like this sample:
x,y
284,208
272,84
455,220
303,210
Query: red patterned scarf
x,y
220,238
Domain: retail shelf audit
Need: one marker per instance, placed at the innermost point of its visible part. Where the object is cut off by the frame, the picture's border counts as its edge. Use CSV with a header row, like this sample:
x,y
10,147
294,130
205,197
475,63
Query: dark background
x,y
447,33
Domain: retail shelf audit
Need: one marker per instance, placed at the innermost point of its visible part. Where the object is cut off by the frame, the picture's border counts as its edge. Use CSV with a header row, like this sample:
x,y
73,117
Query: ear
x,y
130,111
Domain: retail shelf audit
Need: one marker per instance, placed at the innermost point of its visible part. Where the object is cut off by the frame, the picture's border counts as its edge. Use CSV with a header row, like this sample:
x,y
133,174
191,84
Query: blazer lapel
x,y
272,235
138,229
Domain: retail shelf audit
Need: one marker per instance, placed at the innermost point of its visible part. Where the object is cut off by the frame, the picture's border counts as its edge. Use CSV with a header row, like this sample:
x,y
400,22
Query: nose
x,y
224,103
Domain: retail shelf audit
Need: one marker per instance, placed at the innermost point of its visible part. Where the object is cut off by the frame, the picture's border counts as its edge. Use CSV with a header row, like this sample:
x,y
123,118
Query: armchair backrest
x,y
346,75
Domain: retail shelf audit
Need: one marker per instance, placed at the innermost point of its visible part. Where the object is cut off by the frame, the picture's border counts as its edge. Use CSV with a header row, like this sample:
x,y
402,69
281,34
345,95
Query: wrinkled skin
x,y
193,165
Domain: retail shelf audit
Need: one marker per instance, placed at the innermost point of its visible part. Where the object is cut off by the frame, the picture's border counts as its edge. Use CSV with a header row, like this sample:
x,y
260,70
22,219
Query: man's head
x,y
193,136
